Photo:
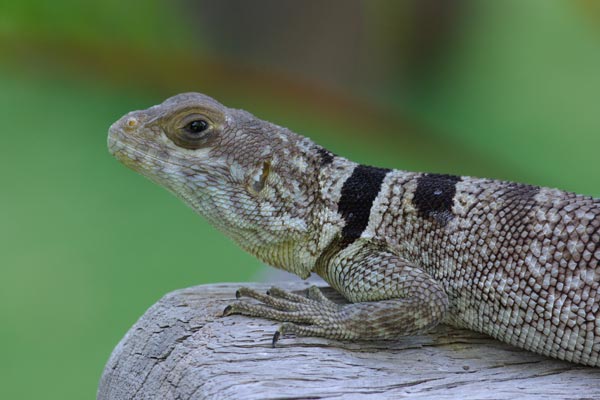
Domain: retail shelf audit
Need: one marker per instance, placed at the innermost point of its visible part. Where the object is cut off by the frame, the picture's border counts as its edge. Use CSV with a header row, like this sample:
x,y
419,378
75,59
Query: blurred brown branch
x,y
178,71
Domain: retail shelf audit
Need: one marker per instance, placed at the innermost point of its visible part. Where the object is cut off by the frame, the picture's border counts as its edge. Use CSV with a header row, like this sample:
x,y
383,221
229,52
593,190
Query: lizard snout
x,y
120,130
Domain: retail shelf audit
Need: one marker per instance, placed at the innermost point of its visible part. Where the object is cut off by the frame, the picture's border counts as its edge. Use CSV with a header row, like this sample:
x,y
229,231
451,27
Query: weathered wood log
x,y
182,348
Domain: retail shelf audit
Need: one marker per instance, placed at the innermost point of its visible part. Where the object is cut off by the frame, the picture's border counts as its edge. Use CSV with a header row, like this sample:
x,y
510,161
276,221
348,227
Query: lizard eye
x,y
195,134
196,127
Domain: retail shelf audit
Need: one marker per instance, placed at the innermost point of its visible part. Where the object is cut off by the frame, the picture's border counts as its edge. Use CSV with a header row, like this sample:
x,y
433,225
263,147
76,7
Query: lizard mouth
x,y
127,151
115,140
130,153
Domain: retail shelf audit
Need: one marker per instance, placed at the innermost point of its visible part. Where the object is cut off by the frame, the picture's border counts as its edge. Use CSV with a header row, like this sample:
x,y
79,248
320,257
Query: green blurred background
x,y
507,89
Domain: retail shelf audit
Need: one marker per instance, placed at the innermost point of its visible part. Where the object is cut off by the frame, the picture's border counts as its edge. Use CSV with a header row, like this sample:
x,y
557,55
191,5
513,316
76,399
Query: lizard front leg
x,y
389,298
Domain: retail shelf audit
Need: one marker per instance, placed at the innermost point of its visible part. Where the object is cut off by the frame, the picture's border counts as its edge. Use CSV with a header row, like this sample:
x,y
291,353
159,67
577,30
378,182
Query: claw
x,y
314,315
276,337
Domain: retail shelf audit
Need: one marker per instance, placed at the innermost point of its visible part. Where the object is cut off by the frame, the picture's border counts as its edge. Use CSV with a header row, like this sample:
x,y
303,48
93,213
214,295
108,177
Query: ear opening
x,y
259,184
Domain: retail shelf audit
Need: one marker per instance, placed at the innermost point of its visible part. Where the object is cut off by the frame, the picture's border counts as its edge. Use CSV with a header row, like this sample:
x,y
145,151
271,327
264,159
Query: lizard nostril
x,y
131,122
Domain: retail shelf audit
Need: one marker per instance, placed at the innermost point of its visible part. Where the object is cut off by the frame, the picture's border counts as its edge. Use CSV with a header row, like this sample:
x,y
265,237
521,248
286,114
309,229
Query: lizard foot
x,y
313,315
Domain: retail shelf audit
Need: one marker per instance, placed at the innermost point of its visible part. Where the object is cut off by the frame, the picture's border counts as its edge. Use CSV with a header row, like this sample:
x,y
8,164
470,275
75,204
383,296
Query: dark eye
x,y
193,133
197,126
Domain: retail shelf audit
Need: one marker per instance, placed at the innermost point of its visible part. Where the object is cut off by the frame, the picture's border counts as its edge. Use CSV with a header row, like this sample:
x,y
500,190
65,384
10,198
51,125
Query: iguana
x,y
408,250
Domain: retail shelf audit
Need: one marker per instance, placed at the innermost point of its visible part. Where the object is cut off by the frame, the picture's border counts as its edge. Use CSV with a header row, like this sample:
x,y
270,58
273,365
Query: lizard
x,y
408,250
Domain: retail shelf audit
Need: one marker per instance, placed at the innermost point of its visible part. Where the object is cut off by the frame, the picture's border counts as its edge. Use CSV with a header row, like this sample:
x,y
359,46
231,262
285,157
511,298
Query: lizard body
x,y
408,250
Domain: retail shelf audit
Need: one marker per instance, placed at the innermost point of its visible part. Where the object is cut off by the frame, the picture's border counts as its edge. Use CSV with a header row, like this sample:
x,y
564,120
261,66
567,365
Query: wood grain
x,y
182,348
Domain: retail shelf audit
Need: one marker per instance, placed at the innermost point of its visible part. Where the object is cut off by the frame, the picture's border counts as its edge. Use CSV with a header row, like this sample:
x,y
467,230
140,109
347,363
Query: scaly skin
x,y
408,250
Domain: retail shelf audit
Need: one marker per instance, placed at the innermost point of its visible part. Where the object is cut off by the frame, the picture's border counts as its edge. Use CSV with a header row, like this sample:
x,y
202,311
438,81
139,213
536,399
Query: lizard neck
x,y
323,222
294,245
291,256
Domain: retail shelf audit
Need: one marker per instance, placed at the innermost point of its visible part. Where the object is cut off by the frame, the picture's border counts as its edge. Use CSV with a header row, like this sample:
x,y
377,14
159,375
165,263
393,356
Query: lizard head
x,y
251,179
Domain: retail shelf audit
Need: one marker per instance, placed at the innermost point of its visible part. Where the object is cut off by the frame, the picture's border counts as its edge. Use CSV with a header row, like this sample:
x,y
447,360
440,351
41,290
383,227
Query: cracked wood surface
x,y
182,348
